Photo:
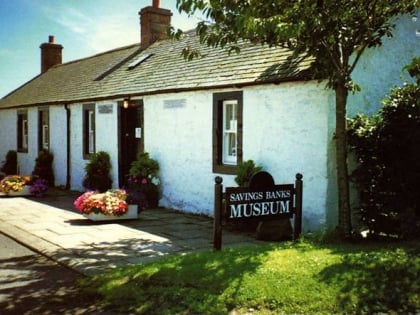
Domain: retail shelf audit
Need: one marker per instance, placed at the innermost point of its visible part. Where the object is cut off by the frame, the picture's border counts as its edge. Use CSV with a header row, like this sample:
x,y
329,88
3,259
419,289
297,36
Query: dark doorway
x,y
131,137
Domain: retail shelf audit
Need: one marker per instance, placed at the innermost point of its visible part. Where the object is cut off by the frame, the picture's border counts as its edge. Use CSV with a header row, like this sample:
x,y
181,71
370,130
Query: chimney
x,y
154,24
50,54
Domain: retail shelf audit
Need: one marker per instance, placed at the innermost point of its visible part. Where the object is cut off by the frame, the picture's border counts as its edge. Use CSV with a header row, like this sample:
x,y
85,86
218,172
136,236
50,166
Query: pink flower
x,y
111,202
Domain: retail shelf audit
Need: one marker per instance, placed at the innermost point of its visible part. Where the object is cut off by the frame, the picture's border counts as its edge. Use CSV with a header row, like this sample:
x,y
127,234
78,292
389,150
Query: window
x,y
227,131
139,60
230,132
22,131
43,130
88,130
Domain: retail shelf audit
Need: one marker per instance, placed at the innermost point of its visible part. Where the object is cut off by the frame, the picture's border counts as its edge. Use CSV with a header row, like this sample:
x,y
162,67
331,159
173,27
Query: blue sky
x,y
83,27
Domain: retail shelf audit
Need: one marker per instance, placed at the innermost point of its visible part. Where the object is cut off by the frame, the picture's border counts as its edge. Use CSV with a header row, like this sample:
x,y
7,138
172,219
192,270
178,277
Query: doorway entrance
x,y
131,137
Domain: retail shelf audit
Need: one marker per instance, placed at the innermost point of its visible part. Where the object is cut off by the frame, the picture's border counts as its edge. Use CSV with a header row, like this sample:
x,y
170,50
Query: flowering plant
x,y
111,202
143,182
14,183
38,187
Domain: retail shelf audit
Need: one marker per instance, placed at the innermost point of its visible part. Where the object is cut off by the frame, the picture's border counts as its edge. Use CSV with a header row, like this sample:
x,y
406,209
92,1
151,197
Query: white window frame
x,y
45,137
230,132
91,131
25,133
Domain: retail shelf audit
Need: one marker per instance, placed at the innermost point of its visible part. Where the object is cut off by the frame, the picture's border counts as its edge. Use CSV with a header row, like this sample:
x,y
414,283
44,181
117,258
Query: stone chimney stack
x,y
154,24
50,54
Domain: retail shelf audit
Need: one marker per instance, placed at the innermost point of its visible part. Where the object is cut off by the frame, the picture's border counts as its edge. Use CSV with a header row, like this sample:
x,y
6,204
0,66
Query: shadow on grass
x,y
197,283
377,281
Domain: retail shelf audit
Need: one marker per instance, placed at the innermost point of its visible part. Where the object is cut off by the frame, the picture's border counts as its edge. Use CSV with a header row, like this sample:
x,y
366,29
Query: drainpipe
x,y
68,176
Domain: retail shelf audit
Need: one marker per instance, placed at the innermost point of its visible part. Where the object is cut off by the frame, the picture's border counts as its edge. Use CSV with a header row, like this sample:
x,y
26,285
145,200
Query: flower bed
x,y
17,185
109,205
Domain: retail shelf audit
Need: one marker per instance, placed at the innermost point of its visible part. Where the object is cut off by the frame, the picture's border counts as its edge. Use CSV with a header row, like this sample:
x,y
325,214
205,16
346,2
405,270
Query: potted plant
x,y
43,167
109,205
245,171
38,186
143,182
15,185
97,172
9,166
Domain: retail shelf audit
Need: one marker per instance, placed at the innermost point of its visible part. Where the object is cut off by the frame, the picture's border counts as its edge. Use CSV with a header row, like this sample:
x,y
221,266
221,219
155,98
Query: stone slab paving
x,y
52,227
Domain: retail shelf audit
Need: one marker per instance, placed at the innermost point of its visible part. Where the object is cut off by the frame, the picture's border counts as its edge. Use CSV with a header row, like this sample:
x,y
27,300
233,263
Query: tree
x,y
388,172
335,33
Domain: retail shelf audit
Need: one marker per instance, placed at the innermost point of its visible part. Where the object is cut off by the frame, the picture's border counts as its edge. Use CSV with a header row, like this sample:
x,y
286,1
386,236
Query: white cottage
x,y
197,118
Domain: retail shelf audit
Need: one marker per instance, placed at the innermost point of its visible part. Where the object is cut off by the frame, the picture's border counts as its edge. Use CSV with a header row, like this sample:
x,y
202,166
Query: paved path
x,y
50,226
33,284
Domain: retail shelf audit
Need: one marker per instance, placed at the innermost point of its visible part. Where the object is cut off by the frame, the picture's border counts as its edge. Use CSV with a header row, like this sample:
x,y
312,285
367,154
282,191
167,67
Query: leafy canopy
x,y
330,30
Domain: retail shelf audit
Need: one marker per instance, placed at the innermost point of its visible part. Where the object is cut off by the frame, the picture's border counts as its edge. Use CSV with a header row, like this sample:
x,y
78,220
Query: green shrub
x,y
143,182
10,164
97,172
388,168
144,166
43,167
244,172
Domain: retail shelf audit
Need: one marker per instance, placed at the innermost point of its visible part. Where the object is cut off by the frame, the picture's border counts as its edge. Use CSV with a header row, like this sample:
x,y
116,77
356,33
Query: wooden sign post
x,y
261,201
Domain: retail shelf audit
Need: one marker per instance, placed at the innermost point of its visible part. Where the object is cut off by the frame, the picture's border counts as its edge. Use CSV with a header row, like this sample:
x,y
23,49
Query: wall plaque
x,y
105,109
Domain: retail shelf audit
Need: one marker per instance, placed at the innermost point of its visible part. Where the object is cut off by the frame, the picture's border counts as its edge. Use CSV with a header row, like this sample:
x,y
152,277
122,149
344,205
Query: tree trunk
x,y
344,212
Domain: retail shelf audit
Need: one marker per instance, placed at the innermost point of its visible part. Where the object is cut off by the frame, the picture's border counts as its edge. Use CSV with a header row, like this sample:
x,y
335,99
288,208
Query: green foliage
x,y
97,172
330,31
414,69
143,182
388,170
43,167
303,277
144,166
10,164
244,172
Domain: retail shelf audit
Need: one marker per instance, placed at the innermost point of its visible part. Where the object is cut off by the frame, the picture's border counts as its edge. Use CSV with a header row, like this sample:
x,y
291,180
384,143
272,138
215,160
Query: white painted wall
x,y
76,144
180,139
107,136
26,161
285,129
380,68
8,131
106,140
58,143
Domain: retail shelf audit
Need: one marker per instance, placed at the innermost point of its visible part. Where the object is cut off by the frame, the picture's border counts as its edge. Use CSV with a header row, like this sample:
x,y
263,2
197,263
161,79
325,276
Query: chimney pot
x,y
154,23
51,54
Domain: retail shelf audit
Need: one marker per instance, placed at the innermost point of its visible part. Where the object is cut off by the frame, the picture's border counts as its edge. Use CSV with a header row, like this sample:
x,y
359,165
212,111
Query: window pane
x,y
22,131
91,136
45,137
230,131
25,132
44,133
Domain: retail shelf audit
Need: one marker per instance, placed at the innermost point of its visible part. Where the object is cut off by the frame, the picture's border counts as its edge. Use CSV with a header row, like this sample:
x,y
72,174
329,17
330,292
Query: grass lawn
x,y
305,277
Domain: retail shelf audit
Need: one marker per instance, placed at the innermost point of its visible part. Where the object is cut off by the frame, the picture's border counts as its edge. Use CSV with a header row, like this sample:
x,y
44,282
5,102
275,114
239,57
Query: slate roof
x,y
108,75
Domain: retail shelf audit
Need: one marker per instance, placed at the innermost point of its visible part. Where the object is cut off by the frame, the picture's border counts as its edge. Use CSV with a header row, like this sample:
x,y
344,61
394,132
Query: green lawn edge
x,y
304,277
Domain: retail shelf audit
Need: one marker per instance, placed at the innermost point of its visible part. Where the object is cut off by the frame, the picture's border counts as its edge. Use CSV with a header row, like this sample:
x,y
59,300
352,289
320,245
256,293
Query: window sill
x,y
225,169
